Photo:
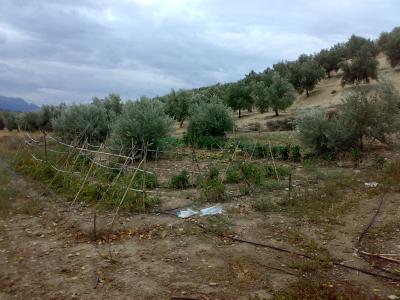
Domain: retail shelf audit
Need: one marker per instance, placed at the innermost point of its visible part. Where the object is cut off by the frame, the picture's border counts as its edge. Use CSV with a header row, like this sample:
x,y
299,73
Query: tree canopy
x,y
239,96
141,123
362,68
280,94
209,119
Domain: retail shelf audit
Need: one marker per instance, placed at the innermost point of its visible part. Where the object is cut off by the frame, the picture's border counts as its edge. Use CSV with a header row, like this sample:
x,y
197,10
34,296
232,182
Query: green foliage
x,y
264,205
258,84
320,204
10,120
284,151
112,104
93,191
150,180
330,59
295,153
378,161
212,119
372,116
239,96
84,121
2,123
362,68
178,105
356,156
280,94
233,174
305,75
391,46
212,187
320,133
252,173
40,119
205,141
356,43
259,150
142,122
180,181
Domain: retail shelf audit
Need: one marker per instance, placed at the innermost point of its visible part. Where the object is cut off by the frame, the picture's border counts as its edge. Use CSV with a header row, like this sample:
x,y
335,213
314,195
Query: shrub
x,y
284,152
378,161
181,180
207,142
252,173
212,188
84,121
295,153
142,122
363,115
233,174
212,119
318,132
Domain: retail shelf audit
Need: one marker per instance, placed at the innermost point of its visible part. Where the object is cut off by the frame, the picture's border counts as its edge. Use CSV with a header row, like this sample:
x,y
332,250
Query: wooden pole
x,y
45,145
144,178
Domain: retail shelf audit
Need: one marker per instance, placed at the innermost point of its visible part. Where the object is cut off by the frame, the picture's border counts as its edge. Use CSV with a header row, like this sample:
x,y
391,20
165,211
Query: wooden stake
x,y
45,145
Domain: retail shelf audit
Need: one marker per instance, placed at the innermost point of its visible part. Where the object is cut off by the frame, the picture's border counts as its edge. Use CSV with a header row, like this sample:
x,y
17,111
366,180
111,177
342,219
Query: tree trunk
x,y
307,93
240,114
181,124
329,74
276,112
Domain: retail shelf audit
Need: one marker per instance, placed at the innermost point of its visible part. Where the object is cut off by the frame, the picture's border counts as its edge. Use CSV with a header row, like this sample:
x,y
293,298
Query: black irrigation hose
x,y
257,244
371,222
358,246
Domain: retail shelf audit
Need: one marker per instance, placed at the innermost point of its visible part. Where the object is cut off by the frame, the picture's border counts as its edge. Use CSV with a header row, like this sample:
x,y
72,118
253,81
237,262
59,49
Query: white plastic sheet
x,y
208,211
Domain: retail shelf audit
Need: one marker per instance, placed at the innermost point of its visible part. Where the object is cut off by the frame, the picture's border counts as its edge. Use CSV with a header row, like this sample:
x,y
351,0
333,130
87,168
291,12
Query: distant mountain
x,y
16,104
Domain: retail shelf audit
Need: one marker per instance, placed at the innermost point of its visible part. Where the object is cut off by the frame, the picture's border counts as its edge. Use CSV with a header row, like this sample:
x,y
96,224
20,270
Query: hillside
x,y
16,104
322,96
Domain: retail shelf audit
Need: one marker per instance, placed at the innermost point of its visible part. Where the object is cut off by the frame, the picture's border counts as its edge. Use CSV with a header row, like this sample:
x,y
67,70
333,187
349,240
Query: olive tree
x,y
143,122
330,59
86,122
304,75
361,68
364,115
356,43
392,47
112,104
10,120
280,94
178,105
209,119
239,97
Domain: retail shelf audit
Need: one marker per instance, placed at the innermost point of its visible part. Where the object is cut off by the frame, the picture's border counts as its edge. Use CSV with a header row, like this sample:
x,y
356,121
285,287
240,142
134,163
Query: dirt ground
x,y
47,251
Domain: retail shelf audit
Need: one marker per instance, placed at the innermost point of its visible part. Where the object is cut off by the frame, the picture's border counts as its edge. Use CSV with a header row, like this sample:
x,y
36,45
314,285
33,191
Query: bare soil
x,y
48,251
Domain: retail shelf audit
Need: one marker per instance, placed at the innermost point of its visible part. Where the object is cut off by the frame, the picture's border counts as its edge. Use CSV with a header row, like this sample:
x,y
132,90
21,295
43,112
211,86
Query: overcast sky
x,y
71,50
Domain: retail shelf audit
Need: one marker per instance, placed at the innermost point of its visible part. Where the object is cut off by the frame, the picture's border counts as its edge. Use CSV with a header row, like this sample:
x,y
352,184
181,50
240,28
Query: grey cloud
x,y
70,50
